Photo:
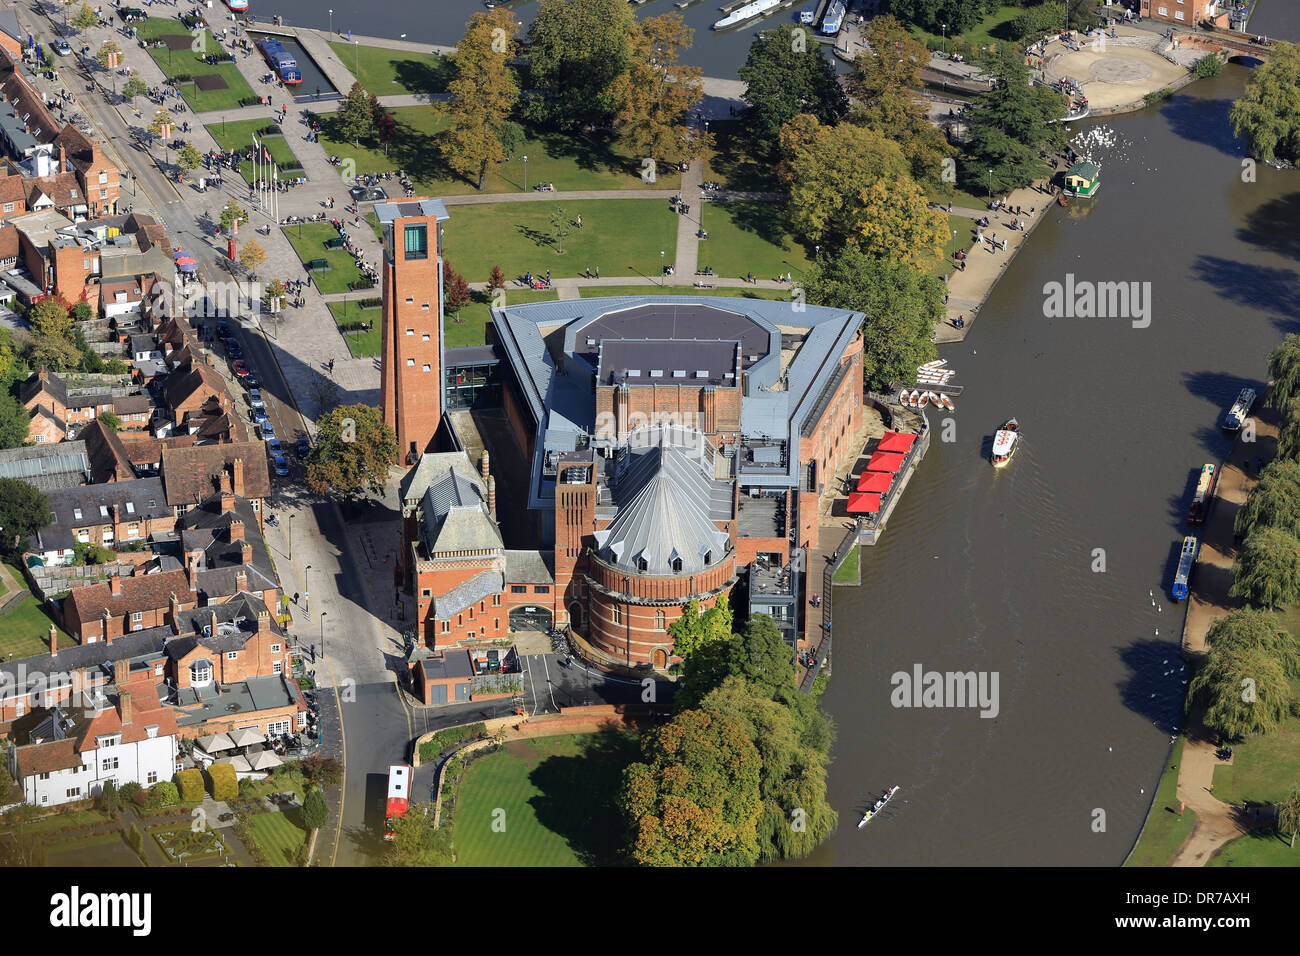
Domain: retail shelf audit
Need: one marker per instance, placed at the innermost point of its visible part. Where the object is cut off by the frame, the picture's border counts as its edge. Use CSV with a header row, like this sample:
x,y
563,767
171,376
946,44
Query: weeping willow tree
x,y
1275,501
1288,436
1284,370
1267,571
1242,690
1288,815
1250,628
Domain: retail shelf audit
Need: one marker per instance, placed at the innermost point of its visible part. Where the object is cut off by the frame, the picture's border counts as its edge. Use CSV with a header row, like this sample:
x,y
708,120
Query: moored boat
x,y
1240,410
877,806
1186,560
1006,442
1204,493
278,58
238,6
749,11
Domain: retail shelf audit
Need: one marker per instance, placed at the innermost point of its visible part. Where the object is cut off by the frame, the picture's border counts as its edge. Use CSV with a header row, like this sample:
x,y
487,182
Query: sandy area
x,y
1111,75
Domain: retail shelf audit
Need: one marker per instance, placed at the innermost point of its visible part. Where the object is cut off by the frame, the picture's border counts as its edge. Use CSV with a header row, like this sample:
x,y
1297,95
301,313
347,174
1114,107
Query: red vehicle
x,y
399,792
241,368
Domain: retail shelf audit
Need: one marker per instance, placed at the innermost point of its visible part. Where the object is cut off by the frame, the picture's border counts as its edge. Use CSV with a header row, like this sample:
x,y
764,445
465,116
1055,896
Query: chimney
x,y
124,705
227,499
246,554
237,468
121,672
241,580
115,585
110,626
483,465
236,530
174,608
63,160
492,495
191,573
212,623
226,487
43,375
54,641
263,622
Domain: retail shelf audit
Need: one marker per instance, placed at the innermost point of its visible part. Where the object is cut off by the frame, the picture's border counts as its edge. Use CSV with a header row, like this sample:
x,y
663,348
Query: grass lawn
x,y
619,236
386,72
104,850
474,318
749,237
994,29
731,163
239,136
25,629
1257,849
308,241
570,161
1165,831
593,292
58,821
960,236
187,61
361,344
557,794
279,835
848,572
961,198
1263,769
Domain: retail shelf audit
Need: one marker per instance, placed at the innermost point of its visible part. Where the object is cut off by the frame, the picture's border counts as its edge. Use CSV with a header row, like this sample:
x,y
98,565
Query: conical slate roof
x,y
664,527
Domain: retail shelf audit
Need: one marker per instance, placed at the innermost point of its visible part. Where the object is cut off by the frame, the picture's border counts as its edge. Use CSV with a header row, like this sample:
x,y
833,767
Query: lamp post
x,y
525,172
322,634
661,267
290,537
990,187
945,39
331,23
357,63
306,588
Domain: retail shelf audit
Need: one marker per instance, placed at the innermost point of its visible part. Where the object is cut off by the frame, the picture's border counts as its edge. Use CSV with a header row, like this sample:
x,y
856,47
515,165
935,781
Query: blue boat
x,y
278,58
834,18
1186,560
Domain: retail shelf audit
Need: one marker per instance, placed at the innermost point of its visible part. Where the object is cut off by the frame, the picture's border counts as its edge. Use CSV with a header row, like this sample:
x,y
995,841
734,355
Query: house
x,y
193,390
109,515
445,678
1189,12
47,467
45,396
224,551
108,609
12,35
145,452
109,460
193,475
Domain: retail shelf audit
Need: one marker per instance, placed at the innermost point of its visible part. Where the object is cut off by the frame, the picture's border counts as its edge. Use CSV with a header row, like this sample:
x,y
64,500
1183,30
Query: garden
x,y
386,72
204,86
308,240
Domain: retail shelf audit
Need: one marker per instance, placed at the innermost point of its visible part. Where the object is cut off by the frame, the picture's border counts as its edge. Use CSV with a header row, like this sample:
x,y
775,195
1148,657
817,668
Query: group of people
x,y
537,282
368,269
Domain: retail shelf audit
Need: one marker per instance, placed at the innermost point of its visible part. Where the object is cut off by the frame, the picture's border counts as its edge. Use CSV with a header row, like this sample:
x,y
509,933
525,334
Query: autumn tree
x,y
232,213
162,125
357,116
354,451
657,92
274,296
902,118
252,255
895,221
482,96
694,798
50,317
385,130
84,18
497,280
577,51
1267,570
455,290
891,64
107,54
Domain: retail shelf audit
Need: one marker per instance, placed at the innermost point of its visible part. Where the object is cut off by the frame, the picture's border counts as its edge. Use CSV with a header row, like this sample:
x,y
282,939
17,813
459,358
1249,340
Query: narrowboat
x,y
284,65
1204,492
1185,562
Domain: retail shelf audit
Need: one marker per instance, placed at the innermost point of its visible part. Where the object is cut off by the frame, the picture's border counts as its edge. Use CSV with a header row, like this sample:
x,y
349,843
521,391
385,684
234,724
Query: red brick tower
x,y
411,390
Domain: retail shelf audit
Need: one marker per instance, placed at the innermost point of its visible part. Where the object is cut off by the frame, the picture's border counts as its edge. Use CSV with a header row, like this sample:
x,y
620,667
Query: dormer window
x,y
76,513
642,564
676,564
201,673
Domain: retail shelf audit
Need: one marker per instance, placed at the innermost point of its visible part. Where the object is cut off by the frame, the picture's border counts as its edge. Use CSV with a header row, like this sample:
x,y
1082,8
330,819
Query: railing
x,y
828,589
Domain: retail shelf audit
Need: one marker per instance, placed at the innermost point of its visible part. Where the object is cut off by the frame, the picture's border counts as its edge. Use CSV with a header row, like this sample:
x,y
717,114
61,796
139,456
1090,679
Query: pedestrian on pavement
x,y
296,595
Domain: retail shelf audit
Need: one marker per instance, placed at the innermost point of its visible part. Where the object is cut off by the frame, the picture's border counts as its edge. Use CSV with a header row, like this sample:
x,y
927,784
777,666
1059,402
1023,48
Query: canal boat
x,y
1006,442
278,58
877,806
238,6
749,11
1204,492
1186,559
833,19
1240,410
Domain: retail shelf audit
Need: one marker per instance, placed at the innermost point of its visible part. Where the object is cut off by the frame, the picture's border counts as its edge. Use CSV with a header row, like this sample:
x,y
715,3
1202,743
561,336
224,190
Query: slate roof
x,y
456,517
143,592
456,664
137,499
478,588
530,567
52,385
193,474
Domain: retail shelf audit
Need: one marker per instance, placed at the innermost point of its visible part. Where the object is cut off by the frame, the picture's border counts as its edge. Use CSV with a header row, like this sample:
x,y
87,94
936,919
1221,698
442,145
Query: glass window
x,y
417,242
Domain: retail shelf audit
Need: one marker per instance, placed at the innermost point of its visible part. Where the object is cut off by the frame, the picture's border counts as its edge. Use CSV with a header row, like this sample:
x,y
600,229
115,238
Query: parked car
x,y
255,398
267,430
233,349
281,466
223,329
61,47
304,448
241,368
274,445
250,381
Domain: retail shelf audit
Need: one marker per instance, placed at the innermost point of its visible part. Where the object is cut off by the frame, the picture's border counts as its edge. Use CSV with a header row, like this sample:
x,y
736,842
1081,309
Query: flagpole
x,y
257,178
275,195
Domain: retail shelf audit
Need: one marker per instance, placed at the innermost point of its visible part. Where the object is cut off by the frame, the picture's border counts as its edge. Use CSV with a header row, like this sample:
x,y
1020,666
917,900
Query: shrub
x,y
247,788
165,794
315,811
128,791
108,799
135,839
1209,65
23,813
318,770
190,785
225,783
141,799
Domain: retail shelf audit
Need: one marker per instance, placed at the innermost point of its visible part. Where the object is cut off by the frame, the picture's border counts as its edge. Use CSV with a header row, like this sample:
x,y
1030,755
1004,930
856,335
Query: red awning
x,y
896,442
863,502
884,461
877,481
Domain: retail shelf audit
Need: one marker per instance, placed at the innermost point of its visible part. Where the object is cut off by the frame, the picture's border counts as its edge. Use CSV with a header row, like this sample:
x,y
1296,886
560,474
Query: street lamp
x,y
306,587
661,267
525,173
990,187
290,537
322,634
945,39
331,23
357,45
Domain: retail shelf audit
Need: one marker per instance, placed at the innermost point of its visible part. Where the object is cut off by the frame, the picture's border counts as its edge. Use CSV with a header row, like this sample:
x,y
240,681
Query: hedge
x,y
164,794
225,783
452,735
190,784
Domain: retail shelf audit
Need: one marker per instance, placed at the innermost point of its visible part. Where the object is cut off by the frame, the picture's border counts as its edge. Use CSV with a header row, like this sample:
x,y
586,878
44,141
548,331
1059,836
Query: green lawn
x,y
994,29
619,236
1257,849
309,242
960,236
279,835
25,629
557,795
731,163
385,72
1263,769
571,161
471,329
58,821
239,136
361,344
592,292
848,572
189,62
749,237
1165,831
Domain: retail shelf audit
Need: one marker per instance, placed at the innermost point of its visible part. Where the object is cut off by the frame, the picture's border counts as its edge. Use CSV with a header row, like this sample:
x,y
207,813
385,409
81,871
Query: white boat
x,y
925,400
902,397
748,12
877,806
807,16
914,399
1006,442
1240,410
833,19
946,402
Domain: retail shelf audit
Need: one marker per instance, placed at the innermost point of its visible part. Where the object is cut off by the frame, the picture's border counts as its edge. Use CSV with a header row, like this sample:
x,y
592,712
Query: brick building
x,y
110,515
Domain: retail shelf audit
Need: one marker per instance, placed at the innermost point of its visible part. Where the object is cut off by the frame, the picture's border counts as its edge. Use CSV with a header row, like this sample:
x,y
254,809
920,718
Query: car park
x,y
281,466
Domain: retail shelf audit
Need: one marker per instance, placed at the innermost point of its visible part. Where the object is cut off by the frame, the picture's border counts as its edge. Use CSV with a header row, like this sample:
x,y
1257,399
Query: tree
x,y
482,96
189,783
1284,370
55,352
455,290
84,18
497,279
107,53
315,811
785,76
110,421
900,306
385,130
252,255
577,51
1038,21
188,157
1253,628
1267,570
23,511
161,125
133,87
901,117
1288,815
1209,65
89,553
231,214
1267,114
1243,691
274,296
694,800
8,352
357,116
415,841
657,92
895,221
1009,125
354,450
15,421
1274,502
796,816
696,628
761,656
50,317
893,63
1288,436
958,15
559,227
82,312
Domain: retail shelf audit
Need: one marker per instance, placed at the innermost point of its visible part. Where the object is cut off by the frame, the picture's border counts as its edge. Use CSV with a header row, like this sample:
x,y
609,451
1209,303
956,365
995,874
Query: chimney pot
x,y
241,581
236,531
483,465
227,498
246,554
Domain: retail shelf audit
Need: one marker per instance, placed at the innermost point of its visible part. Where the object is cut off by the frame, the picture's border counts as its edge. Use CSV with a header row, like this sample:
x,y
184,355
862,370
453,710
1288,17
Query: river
x,y
992,571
